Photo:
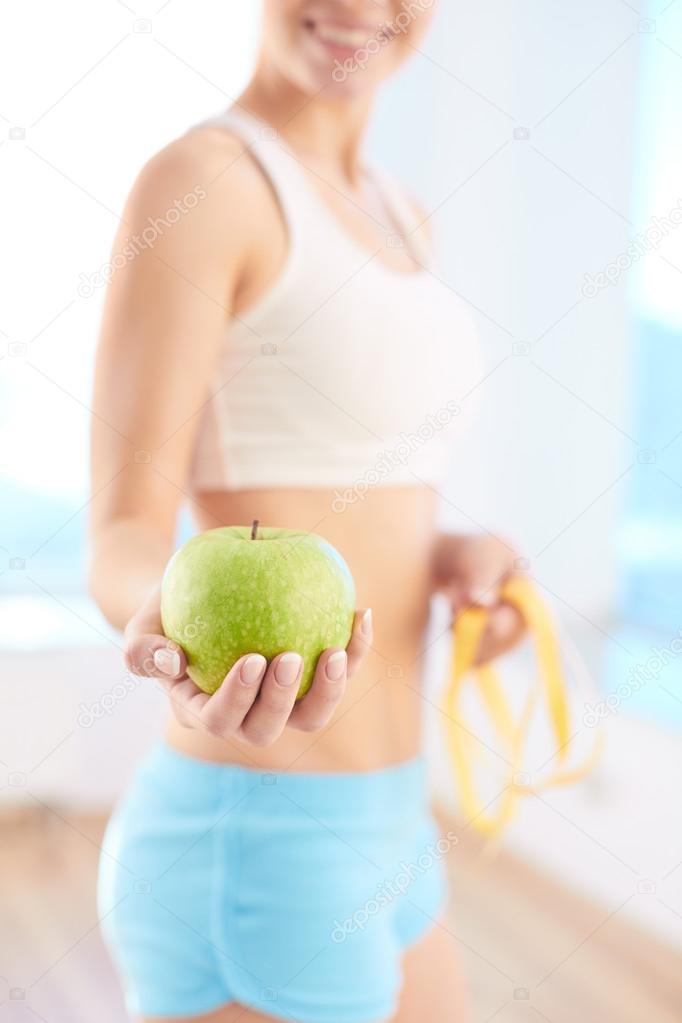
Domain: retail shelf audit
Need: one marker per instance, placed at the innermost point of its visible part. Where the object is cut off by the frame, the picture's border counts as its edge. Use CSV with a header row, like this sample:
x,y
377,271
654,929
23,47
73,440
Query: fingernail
x,y
288,667
366,623
252,669
167,661
336,666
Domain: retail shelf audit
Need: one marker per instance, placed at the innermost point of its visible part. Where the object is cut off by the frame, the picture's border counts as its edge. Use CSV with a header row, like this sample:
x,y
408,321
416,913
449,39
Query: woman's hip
x,y
249,882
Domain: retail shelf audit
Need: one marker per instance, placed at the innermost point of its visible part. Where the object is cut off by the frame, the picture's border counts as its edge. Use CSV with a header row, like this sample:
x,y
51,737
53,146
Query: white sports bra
x,y
346,373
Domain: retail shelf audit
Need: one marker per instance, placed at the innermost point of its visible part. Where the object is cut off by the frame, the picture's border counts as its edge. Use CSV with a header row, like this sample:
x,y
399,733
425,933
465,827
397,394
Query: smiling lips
x,y
344,37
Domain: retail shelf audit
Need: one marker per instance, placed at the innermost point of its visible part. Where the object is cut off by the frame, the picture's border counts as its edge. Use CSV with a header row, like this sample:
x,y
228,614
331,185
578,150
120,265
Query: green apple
x,y
240,590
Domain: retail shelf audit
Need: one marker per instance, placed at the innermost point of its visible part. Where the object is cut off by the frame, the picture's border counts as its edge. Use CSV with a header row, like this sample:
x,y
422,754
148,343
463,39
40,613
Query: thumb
x,y
154,656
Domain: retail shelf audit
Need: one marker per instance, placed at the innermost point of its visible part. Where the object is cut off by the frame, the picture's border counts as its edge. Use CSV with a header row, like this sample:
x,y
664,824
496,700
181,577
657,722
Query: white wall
x,y
527,218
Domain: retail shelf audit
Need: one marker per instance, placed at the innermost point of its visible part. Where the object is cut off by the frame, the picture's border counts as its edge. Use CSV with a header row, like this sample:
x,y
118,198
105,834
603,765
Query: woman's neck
x,y
320,130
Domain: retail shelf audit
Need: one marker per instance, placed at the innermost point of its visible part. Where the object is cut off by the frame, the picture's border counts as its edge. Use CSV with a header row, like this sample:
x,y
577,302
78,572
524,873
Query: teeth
x,y
352,37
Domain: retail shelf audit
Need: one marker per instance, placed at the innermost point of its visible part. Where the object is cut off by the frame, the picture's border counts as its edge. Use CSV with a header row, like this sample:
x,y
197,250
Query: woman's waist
x,y
377,724
381,525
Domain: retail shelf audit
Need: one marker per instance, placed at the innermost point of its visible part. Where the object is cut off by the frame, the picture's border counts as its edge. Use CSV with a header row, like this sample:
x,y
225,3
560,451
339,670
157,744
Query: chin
x,y
345,61
348,87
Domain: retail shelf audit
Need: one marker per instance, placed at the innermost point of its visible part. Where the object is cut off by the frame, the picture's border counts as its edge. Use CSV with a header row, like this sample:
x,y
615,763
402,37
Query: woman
x,y
278,349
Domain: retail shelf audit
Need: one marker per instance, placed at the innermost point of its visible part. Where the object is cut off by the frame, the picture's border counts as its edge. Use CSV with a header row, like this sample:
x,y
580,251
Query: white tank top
x,y
346,373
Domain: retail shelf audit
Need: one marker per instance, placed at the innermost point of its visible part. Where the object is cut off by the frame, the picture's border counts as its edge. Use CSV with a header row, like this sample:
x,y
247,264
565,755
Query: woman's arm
x,y
165,314
165,317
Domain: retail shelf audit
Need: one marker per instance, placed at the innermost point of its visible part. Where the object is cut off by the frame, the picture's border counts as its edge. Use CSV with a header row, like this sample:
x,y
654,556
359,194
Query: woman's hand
x,y
470,571
233,712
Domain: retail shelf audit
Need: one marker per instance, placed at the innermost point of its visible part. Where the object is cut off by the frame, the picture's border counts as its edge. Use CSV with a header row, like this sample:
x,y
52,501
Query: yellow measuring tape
x,y
550,683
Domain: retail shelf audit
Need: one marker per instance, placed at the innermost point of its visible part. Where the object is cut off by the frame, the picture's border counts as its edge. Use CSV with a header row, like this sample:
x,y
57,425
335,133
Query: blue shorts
x,y
293,894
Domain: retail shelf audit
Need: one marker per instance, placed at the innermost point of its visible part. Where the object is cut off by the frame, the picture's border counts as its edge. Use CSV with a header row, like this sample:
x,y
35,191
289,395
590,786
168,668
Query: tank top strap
x,y
407,219
302,211
281,169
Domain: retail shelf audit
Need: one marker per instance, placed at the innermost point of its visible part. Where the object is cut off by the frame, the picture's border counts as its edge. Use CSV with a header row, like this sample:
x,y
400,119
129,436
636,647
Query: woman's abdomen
x,y
386,537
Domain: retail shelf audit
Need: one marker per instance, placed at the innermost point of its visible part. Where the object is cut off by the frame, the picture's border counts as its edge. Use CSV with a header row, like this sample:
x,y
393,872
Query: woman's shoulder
x,y
206,155
205,170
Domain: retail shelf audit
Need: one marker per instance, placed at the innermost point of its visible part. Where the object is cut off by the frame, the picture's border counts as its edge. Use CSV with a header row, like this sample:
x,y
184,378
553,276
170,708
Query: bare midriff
x,y
386,539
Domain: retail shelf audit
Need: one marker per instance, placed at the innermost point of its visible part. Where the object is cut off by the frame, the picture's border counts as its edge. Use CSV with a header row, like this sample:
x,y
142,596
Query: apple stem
x,y
254,529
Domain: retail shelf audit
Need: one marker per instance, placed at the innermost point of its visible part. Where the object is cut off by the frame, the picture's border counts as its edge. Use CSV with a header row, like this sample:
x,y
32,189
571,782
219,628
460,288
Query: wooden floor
x,y
532,952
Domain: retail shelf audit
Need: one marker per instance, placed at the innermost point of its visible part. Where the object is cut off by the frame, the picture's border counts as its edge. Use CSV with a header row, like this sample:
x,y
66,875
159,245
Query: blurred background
x,y
547,139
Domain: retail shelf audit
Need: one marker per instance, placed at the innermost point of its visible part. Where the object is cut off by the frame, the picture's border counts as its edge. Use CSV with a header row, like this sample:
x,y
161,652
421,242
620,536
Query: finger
x,y
223,713
154,656
269,714
361,640
455,593
314,711
186,699
483,595
147,618
504,630
170,660
484,588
